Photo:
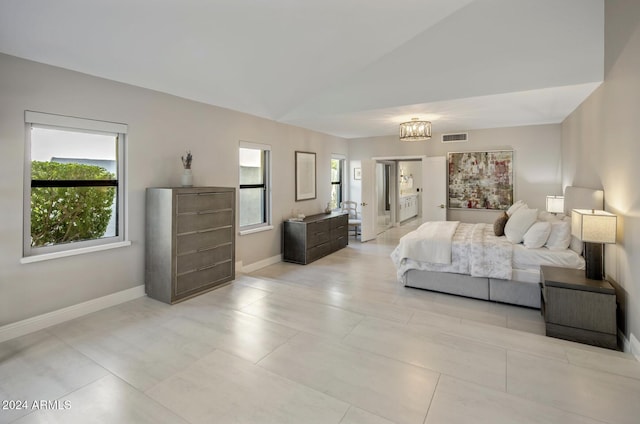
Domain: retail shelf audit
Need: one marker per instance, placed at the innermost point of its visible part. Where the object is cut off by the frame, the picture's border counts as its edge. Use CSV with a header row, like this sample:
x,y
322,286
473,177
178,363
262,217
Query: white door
x,y
367,208
434,191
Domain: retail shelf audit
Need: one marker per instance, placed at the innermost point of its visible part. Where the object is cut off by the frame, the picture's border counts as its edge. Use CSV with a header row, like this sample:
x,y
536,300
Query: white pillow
x,y
518,224
576,245
560,236
515,207
537,235
548,216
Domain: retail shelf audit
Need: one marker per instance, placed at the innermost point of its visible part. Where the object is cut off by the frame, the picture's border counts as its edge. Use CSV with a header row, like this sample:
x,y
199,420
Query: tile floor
x,y
337,341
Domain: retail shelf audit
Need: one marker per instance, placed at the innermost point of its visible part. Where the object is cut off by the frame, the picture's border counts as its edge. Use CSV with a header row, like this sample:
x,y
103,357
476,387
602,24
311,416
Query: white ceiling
x,y
352,68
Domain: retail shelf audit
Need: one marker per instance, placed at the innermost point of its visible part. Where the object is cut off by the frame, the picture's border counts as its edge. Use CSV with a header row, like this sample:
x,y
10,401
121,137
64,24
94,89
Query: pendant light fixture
x,y
415,130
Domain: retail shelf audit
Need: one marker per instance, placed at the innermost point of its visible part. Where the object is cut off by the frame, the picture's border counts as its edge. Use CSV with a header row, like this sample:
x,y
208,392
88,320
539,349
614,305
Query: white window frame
x,y
343,178
267,225
68,123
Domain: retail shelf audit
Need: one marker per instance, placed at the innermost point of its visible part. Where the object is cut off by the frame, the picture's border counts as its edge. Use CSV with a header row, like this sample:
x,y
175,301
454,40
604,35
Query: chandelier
x,y
415,130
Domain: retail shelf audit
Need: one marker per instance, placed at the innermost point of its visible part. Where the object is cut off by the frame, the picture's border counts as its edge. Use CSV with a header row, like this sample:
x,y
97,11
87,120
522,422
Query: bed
x,y
469,260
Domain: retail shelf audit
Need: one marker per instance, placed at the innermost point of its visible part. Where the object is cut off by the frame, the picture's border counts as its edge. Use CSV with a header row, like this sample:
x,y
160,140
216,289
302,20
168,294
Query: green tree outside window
x,y
68,214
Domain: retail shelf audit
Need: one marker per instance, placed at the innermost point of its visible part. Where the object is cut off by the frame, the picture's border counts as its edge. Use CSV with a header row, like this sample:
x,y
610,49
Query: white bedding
x,y
430,242
476,251
524,258
459,255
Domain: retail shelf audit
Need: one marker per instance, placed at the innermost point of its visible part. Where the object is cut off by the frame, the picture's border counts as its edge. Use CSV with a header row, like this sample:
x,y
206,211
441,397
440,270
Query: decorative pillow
x,y
560,236
537,235
498,225
515,207
576,245
518,224
548,216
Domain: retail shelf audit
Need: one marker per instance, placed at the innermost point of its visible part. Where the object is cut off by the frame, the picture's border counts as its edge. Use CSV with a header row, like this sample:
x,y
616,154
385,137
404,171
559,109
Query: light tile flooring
x,y
337,341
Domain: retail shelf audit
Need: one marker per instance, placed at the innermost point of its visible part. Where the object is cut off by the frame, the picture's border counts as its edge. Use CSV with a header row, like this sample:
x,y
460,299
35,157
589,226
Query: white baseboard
x,y
634,346
260,264
43,321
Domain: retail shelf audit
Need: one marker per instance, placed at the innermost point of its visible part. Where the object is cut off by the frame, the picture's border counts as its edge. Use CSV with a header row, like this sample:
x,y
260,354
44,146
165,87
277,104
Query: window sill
x,y
73,252
255,230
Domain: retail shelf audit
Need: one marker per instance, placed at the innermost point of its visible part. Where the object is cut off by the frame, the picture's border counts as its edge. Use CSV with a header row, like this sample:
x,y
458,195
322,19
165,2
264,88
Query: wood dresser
x,y
190,241
314,237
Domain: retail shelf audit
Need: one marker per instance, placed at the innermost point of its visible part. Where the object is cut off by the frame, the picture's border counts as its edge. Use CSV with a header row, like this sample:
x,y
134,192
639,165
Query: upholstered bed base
x,y
505,291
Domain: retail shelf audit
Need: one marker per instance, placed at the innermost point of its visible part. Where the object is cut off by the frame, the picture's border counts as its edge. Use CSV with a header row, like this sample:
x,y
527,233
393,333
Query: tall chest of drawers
x,y
190,241
314,237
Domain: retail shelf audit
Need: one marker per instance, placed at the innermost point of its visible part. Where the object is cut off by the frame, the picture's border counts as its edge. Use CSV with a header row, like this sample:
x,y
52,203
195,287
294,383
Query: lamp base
x,y
593,259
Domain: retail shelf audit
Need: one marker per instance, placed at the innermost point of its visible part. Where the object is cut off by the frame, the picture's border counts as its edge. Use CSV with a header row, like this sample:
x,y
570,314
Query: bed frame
x,y
506,291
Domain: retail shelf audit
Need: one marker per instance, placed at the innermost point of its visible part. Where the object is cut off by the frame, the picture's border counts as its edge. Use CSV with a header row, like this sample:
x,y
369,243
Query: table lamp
x,y
594,228
555,204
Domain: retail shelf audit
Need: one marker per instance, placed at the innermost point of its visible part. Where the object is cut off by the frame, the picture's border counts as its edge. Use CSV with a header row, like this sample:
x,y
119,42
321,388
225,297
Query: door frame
x,y
422,159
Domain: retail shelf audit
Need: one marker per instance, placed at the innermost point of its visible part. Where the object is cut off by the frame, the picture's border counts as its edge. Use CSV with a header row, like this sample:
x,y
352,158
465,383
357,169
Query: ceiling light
x,y
415,130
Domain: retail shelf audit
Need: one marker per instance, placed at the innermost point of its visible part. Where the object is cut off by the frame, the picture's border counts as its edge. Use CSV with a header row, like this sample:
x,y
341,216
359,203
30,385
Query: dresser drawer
x,y
186,223
193,242
200,202
341,231
318,251
339,242
204,258
198,280
318,233
340,221
318,227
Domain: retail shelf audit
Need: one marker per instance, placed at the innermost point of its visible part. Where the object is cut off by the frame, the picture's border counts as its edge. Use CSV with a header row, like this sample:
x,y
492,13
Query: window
x,y
337,166
74,186
254,194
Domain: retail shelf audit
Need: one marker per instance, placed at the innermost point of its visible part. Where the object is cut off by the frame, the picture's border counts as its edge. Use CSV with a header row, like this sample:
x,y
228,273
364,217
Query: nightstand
x,y
577,308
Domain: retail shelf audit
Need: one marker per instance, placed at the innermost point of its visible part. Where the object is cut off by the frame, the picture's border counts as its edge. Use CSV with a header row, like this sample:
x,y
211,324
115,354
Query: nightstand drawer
x,y
580,309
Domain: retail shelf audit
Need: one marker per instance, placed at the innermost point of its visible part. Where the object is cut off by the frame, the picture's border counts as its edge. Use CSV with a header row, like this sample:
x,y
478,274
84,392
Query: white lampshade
x,y
555,204
593,226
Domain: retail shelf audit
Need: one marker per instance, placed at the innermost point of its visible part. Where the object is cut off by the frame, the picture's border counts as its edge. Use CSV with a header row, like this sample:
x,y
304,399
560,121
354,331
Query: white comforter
x,y
475,251
430,242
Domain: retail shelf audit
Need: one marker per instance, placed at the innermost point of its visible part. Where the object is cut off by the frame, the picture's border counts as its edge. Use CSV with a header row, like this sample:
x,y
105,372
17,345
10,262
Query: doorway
x,y
385,195
410,187
432,187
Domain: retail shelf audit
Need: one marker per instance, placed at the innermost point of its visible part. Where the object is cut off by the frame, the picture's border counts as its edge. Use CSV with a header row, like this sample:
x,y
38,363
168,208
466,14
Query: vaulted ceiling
x,y
352,68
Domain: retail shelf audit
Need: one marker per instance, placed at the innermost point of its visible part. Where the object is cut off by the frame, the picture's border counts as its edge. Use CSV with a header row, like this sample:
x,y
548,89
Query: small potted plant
x,y
187,176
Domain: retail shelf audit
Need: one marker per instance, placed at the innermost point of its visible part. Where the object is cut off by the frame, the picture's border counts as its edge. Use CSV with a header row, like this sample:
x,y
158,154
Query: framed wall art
x,y
305,176
480,180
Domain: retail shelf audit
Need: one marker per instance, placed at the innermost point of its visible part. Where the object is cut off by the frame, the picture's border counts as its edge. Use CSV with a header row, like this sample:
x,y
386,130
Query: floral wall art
x,y
481,180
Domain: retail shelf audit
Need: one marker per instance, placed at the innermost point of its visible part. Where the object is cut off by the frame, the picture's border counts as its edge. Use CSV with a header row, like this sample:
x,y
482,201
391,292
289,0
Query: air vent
x,y
455,138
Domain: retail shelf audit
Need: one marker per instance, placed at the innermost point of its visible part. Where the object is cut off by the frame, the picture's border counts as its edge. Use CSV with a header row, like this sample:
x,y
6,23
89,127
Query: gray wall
x,y
537,151
601,150
161,129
